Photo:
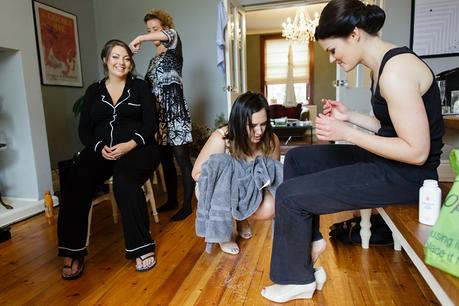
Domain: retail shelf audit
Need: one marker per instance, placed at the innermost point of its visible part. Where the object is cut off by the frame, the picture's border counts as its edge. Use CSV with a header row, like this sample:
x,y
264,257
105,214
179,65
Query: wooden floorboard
x,y
186,275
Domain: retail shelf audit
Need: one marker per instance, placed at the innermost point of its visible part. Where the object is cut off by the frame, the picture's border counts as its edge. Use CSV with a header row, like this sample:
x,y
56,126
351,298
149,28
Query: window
x,y
276,69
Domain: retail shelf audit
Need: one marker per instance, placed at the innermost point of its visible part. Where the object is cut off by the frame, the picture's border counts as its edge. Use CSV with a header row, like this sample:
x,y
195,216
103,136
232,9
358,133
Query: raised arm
x,y
214,145
163,36
152,36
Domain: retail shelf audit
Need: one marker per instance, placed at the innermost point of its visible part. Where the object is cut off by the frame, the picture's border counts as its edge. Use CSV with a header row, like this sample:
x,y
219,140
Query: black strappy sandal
x,y
140,267
78,273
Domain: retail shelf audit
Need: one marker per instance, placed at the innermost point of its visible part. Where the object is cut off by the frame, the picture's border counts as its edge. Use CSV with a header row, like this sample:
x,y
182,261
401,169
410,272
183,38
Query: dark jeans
x,y
129,174
324,179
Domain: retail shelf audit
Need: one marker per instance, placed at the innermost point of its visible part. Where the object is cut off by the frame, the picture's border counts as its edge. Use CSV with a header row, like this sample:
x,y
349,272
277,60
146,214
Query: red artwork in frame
x,y
58,48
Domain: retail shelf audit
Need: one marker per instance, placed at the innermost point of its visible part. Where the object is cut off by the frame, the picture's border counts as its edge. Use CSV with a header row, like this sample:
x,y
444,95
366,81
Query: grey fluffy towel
x,y
231,188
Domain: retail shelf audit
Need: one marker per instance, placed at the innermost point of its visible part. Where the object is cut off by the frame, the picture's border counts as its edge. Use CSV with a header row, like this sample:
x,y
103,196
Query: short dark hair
x,y
340,17
107,49
241,115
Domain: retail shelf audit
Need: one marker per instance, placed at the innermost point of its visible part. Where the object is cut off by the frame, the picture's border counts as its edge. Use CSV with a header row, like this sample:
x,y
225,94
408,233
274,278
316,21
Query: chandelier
x,y
302,28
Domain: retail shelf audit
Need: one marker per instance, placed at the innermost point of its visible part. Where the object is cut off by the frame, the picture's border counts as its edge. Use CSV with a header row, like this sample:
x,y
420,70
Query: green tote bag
x,y
442,246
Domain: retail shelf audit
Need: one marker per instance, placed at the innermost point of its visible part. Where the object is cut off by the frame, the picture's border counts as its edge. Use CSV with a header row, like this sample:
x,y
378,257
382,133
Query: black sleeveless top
x,y
431,99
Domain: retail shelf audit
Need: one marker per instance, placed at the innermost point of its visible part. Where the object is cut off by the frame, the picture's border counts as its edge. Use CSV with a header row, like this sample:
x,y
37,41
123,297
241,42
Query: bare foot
x,y
73,268
145,262
229,247
70,266
243,228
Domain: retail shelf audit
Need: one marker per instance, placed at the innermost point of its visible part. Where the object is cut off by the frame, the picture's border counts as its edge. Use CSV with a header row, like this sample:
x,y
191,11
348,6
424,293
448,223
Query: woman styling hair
x,y
164,74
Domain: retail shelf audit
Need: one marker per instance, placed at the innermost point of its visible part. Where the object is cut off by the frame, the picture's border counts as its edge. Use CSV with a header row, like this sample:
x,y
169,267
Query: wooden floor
x,y
186,275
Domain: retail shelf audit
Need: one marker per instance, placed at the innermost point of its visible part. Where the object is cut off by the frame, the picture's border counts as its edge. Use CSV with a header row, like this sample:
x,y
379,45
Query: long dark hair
x,y
340,17
107,49
241,115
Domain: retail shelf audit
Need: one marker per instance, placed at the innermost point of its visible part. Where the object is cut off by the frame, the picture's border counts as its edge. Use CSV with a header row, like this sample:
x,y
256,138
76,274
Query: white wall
x,y
397,30
25,166
195,22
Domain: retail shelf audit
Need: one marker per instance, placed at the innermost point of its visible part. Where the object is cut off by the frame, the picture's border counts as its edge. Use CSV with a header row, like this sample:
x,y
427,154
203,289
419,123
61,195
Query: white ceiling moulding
x,y
279,4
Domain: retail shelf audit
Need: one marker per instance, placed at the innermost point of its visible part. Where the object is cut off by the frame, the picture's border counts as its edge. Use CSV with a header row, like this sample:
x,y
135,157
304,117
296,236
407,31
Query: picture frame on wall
x,y
434,27
58,46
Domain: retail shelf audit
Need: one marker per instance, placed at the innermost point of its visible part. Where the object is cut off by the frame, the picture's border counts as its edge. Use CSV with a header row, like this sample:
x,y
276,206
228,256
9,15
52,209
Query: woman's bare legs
x,y
266,209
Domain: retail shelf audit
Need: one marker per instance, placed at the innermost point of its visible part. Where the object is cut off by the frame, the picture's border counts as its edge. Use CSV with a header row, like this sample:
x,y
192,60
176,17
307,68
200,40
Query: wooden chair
x,y
149,196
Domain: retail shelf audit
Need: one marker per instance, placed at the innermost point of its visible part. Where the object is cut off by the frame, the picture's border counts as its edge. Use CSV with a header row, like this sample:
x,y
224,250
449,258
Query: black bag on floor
x,y
349,231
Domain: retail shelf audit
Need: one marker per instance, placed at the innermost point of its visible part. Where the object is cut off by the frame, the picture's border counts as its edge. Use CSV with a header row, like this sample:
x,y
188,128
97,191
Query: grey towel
x,y
231,188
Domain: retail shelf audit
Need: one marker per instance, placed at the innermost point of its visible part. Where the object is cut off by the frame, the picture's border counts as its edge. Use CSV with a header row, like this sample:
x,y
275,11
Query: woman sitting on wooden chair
x,y
117,124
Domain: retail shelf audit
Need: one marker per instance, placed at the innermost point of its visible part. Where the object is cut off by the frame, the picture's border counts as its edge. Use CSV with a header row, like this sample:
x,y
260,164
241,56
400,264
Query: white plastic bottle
x,y
429,202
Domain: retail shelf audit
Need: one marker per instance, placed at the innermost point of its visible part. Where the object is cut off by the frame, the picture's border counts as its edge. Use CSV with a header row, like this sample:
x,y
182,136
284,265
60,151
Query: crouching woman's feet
x,y
229,247
244,229
284,293
145,262
73,268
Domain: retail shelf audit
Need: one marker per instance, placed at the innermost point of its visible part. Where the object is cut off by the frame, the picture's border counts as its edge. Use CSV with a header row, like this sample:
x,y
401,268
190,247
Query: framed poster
x,y
434,27
58,48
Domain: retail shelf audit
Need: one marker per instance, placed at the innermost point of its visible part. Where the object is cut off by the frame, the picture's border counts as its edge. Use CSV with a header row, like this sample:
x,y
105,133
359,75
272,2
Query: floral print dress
x,y
165,77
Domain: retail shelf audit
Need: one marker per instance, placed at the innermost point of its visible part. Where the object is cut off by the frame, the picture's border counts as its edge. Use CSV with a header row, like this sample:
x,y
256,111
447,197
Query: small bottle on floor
x,y
49,207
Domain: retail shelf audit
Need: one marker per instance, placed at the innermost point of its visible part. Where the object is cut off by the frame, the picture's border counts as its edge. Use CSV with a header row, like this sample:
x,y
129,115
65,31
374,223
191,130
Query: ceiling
x,y
270,21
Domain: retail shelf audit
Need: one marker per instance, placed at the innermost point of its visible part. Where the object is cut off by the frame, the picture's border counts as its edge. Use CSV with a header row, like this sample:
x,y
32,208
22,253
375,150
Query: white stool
x,y
149,197
365,231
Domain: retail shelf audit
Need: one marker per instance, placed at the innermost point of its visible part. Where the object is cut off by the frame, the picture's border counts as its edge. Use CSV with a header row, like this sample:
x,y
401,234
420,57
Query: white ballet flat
x,y
284,293
320,276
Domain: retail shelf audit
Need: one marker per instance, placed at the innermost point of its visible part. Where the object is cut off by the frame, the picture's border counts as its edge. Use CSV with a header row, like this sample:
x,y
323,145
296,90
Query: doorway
x,y
264,23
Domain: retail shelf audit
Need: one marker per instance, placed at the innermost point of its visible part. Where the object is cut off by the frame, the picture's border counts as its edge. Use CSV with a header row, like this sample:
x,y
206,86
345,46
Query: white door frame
x,y
239,76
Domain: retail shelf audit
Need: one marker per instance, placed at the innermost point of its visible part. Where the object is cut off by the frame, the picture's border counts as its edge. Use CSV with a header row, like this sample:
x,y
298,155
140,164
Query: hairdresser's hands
x,y
135,45
335,109
330,128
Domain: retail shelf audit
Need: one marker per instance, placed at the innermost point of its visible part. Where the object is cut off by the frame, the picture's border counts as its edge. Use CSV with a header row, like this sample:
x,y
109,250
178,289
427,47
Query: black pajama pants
x,y
129,173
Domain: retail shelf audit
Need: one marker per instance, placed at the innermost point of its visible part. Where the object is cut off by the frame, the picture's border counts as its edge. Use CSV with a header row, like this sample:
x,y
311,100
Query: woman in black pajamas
x,y
117,127
385,167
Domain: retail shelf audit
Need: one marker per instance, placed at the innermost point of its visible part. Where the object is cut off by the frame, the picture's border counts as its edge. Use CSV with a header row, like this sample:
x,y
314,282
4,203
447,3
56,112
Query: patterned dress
x,y
165,77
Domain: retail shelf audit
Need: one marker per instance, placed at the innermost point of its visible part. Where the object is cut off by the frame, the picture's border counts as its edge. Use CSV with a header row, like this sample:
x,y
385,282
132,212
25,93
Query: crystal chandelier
x,y
302,28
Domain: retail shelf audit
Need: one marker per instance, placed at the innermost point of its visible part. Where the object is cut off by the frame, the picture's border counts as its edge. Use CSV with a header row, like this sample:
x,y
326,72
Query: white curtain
x,y
276,61
290,99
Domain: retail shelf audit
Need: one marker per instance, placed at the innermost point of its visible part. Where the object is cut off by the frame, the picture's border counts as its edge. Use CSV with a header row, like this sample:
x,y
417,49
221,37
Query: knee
x,y
281,193
265,212
123,179
285,198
